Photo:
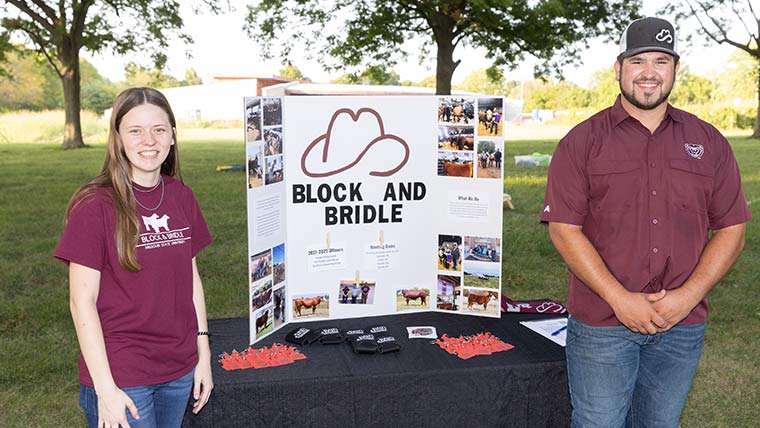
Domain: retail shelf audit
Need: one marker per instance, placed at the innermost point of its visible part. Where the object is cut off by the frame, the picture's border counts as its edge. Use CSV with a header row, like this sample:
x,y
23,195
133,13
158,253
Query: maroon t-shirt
x,y
148,317
645,201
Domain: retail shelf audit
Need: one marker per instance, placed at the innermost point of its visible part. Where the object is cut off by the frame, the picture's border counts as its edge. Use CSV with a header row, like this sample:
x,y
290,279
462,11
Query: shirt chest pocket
x,y
614,184
691,183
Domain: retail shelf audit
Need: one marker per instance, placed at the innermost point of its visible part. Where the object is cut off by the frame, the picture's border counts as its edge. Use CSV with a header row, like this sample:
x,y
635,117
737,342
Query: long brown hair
x,y
116,173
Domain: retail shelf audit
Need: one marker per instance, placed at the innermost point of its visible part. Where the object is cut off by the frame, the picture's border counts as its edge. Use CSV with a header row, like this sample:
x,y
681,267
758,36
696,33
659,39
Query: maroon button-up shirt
x,y
645,201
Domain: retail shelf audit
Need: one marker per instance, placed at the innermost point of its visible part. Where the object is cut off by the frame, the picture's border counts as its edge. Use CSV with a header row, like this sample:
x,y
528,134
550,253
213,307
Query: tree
x,y
372,75
717,19
27,85
738,80
60,31
479,82
191,78
136,75
375,30
691,89
604,88
292,72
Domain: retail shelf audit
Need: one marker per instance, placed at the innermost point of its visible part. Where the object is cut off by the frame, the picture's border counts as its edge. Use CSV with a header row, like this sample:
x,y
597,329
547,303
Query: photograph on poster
x,y
261,295
481,274
480,301
272,111
455,164
412,299
264,321
273,141
352,292
261,265
489,159
456,137
490,116
482,249
278,261
448,288
279,306
311,306
450,252
252,119
255,167
456,110
274,170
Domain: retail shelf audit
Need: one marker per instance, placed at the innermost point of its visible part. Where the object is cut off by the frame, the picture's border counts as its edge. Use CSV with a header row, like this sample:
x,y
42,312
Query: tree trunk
x,y
70,78
443,27
445,67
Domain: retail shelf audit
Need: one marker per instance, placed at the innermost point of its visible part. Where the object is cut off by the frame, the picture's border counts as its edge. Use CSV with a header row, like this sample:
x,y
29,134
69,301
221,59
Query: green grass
x,y
38,348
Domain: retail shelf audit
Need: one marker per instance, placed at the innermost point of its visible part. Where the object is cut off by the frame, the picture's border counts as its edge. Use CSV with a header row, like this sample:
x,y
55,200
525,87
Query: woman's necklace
x,y
161,182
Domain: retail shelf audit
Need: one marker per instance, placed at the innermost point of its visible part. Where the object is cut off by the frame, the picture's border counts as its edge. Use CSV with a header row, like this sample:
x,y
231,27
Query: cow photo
x,y
410,299
490,117
488,159
455,164
354,292
480,302
456,110
252,119
255,166
274,169
261,294
272,111
482,274
448,290
456,138
278,260
311,306
261,265
450,253
273,141
263,321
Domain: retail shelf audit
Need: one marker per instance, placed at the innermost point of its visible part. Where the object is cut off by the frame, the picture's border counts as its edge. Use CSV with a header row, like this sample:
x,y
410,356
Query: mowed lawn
x,y
38,348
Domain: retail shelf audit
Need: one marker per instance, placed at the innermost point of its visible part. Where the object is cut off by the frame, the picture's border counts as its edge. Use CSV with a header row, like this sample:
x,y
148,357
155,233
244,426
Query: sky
x,y
222,48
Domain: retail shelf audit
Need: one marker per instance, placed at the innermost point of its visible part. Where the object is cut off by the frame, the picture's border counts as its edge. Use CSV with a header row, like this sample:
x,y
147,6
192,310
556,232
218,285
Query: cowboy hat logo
x,y
343,131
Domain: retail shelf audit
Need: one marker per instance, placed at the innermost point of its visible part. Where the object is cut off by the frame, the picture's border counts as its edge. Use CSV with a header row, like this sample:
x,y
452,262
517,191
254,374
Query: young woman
x,y
130,240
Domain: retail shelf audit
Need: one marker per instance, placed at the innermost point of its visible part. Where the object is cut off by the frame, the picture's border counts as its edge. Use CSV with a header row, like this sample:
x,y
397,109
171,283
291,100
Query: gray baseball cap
x,y
649,35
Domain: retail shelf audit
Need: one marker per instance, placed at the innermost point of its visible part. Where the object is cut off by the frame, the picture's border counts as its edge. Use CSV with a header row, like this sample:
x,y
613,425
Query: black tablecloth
x,y
420,386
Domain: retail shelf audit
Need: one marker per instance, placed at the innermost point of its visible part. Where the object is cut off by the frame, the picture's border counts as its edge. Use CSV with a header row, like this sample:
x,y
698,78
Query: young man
x,y
631,195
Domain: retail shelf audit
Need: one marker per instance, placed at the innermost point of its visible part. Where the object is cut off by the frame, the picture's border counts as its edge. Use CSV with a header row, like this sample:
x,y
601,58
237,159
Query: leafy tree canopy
x,y
60,30
732,22
372,75
374,32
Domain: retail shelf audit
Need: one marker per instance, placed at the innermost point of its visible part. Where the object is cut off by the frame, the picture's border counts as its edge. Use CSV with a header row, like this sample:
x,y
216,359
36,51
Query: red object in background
x,y
257,358
466,347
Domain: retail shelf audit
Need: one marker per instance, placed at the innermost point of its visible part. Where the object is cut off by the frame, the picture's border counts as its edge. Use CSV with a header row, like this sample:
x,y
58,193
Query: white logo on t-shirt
x,y
158,234
547,209
156,222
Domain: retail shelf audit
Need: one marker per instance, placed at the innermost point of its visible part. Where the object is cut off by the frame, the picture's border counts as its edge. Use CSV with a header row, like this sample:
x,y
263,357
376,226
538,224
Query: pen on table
x,y
559,330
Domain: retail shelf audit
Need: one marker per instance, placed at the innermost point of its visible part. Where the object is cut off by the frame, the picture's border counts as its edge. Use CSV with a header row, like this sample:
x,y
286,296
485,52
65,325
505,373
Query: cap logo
x,y
664,36
694,150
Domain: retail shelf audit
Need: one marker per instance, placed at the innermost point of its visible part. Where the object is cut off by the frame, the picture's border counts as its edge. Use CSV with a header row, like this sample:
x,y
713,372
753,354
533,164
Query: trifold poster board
x,y
364,206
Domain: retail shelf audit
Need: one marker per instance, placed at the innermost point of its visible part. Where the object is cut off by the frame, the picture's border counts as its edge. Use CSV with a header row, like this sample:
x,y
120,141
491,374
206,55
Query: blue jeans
x,y
619,378
160,406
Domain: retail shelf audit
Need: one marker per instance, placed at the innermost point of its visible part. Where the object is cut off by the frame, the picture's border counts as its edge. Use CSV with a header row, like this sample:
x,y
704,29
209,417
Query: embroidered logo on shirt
x,y
694,150
547,209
